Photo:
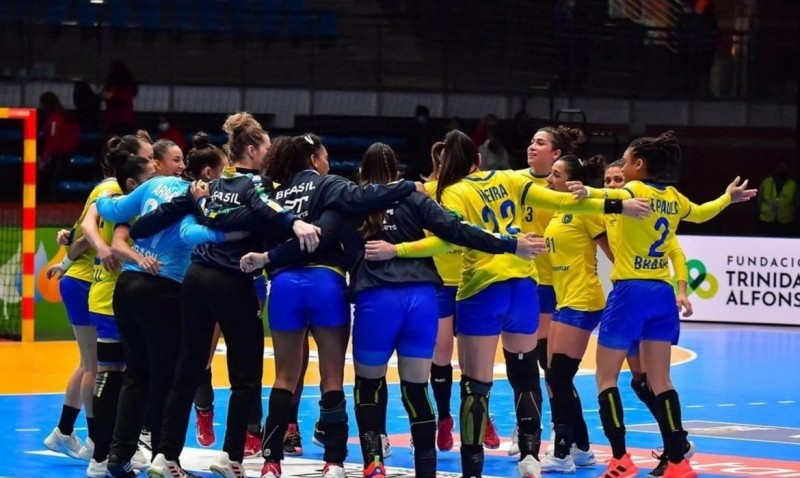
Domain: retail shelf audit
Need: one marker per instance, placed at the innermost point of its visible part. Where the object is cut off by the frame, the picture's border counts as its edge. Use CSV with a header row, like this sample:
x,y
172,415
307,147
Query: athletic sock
x,y
66,424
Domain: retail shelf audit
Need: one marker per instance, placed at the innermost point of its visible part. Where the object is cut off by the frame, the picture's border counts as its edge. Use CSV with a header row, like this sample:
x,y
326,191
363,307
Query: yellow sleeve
x,y
427,247
544,198
597,193
706,211
678,259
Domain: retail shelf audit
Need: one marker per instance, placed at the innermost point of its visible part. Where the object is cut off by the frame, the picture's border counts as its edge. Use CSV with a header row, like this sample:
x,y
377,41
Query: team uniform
x,y
535,220
410,327
147,309
497,293
448,265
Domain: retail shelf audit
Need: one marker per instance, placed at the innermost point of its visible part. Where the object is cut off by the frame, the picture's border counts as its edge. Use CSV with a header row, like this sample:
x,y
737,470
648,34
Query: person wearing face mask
x,y
167,130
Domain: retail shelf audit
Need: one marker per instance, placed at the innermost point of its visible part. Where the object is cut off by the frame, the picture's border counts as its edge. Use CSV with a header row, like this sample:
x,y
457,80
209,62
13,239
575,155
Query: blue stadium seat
x,y
10,159
241,18
53,13
70,186
210,16
87,14
119,14
183,15
11,135
87,136
80,160
268,17
326,24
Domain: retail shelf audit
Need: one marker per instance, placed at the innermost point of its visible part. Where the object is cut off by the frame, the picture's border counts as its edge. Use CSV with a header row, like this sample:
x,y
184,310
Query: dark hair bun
x,y
200,140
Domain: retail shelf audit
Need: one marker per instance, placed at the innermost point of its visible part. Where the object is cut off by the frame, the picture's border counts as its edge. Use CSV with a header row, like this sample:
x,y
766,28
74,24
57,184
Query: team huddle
x,y
168,254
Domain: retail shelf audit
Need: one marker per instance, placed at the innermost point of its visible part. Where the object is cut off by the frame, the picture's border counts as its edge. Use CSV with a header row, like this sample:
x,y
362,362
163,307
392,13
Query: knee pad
x,y
110,354
367,391
523,371
541,346
420,413
561,373
474,410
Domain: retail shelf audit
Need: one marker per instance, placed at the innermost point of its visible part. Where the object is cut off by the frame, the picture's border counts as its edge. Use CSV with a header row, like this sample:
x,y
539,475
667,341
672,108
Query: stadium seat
x,y
80,160
10,159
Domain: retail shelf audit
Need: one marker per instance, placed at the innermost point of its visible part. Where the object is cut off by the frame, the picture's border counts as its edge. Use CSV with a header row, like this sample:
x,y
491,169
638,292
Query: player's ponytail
x,y
378,166
288,156
460,155
129,144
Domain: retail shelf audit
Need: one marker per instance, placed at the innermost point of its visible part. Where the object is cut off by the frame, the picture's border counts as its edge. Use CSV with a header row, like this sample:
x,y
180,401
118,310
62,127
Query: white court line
x,y
28,430
726,404
784,402
695,406
757,403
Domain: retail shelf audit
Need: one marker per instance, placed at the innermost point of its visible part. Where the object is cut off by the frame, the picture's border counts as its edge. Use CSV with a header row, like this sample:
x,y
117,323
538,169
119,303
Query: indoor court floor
x,y
739,386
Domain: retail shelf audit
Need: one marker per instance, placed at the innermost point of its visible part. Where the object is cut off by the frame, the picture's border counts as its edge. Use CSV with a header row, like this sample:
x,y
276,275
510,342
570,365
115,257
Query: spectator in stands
x,y
87,106
61,131
168,130
778,201
119,90
421,137
493,152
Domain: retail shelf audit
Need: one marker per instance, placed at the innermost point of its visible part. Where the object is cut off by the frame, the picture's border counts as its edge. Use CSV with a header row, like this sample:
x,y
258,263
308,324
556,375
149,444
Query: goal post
x,y
27,292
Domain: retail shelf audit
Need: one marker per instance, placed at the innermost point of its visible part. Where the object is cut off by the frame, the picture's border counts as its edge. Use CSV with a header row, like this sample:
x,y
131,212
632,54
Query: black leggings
x,y
147,309
210,295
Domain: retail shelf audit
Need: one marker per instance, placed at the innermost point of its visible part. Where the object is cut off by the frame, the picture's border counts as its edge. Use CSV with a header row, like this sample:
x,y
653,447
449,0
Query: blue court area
x,y
740,396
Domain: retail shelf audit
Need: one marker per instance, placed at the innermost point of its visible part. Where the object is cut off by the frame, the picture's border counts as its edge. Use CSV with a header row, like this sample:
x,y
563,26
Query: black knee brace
x,y
522,371
367,395
541,346
110,353
523,375
561,373
564,403
333,424
280,402
423,427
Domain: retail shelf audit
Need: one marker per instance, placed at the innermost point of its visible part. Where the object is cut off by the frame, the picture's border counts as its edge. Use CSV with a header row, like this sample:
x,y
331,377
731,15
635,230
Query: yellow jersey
x,y
83,267
101,292
448,264
535,220
571,244
494,200
641,246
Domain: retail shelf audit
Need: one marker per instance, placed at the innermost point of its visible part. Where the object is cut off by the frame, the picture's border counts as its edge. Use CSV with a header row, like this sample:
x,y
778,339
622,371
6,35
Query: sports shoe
x,y
252,446
491,440
376,469
225,468
333,470
87,450
163,468
204,427
144,440
552,464
139,460
582,459
292,443
622,468
551,442
318,438
529,467
271,470
691,448
120,469
663,460
96,469
514,448
444,434
680,470
69,445
387,447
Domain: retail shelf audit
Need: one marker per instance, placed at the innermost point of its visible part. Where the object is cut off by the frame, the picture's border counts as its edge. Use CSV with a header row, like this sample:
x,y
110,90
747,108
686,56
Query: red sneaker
x,y
491,440
204,427
271,470
252,446
622,468
444,434
681,470
375,470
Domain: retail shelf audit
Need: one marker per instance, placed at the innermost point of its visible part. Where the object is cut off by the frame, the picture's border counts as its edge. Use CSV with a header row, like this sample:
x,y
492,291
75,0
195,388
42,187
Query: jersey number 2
x,y
507,211
661,223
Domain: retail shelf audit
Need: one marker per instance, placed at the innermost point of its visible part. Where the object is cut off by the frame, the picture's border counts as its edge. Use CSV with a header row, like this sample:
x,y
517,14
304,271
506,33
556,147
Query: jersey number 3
x,y
507,210
662,224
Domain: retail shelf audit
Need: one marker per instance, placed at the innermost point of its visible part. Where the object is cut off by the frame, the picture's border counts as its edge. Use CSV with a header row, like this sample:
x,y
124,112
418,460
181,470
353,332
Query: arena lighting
x,y
96,1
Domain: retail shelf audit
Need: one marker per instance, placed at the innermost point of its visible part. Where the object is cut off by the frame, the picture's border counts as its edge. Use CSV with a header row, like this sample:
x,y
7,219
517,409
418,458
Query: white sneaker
x,y
387,447
163,468
139,460
225,468
582,459
145,440
95,469
551,445
551,464
514,448
332,470
87,450
529,467
690,450
69,445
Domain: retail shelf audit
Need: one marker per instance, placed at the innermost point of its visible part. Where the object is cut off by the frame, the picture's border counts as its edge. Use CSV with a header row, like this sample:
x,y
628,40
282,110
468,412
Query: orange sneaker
x,y
622,468
680,470
375,470
491,439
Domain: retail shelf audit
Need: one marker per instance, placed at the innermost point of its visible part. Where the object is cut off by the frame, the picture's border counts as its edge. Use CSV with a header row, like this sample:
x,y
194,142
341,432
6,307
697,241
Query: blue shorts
x,y
634,350
307,297
508,306
639,310
390,318
446,296
107,330
75,295
547,299
578,318
260,285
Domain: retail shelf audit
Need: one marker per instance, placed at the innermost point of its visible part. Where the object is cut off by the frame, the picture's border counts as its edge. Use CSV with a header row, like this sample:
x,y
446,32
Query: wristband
x,y
65,263
612,206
